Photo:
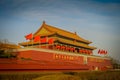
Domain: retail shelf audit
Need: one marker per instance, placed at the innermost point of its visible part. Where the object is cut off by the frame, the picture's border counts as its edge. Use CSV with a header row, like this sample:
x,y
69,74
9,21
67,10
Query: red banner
x,y
37,39
106,52
43,40
29,36
99,51
102,52
51,41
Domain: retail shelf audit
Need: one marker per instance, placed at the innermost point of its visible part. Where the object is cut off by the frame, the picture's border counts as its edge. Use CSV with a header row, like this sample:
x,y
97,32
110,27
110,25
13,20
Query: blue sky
x,y
94,20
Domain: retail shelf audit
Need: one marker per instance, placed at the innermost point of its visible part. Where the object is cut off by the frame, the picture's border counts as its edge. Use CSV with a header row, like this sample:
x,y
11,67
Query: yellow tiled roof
x,y
9,46
75,43
46,30
62,33
26,43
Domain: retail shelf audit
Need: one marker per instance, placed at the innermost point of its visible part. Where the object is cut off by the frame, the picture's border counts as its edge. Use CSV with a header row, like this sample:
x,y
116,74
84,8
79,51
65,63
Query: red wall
x,y
100,63
60,58
45,56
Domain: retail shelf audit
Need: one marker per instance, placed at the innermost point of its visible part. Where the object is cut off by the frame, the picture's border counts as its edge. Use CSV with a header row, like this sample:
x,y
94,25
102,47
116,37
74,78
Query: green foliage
x,y
6,54
115,63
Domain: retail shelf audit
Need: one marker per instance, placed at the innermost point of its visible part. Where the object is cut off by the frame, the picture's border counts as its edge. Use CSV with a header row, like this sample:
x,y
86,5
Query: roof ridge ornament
x,y
75,33
43,22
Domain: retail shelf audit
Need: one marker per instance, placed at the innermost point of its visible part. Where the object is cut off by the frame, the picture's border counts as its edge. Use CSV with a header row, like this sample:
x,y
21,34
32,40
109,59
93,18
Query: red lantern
x,y
58,47
81,51
87,51
67,48
62,47
72,49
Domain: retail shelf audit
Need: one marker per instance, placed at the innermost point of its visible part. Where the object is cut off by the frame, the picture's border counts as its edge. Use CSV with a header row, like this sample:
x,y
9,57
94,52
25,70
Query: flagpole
x,y
27,43
29,37
39,43
32,40
47,41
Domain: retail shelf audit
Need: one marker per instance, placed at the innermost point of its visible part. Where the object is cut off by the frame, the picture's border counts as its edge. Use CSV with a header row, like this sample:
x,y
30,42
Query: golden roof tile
x,y
61,32
75,43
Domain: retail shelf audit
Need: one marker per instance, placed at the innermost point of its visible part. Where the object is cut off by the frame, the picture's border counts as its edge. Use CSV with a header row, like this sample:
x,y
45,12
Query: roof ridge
x,y
61,29
65,31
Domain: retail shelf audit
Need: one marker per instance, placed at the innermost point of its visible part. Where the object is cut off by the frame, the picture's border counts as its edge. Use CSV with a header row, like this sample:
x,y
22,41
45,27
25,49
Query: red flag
x,y
106,52
88,51
37,39
102,52
44,40
83,51
99,51
50,41
29,36
62,47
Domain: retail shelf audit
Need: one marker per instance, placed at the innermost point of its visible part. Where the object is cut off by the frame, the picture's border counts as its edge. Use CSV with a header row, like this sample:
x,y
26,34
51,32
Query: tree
x,y
6,49
115,63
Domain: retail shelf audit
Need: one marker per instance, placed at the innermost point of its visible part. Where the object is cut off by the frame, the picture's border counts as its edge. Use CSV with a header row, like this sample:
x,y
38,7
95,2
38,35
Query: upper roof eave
x,y
61,32
66,33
